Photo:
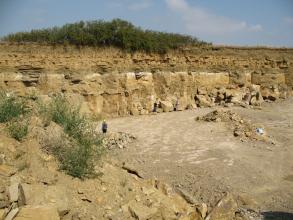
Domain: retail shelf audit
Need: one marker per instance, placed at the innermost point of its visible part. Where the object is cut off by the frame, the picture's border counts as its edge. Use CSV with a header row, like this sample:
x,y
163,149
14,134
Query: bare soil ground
x,y
206,160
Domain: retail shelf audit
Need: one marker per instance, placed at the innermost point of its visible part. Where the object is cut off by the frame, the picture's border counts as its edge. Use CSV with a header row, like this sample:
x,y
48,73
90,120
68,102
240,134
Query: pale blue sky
x,y
234,22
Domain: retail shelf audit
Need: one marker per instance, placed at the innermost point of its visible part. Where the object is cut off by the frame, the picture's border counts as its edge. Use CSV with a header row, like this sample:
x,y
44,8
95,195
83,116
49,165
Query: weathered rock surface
x,y
132,83
55,197
141,212
37,213
13,192
2,214
11,215
123,94
167,106
7,171
225,209
2,159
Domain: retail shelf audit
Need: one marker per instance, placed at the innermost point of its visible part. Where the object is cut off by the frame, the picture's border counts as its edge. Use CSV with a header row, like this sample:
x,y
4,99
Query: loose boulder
x,y
167,106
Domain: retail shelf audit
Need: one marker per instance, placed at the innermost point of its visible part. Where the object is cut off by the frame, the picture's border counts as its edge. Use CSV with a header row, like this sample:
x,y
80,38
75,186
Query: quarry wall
x,y
110,82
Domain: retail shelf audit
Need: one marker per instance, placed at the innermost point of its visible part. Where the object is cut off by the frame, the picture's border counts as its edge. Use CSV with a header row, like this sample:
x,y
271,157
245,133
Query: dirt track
x,y
205,159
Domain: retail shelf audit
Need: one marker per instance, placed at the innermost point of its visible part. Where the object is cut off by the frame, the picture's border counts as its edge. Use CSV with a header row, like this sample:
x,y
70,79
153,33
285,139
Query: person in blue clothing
x,y
104,126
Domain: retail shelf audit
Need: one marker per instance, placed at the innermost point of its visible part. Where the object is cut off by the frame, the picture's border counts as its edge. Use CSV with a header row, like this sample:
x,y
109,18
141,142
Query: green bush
x,y
69,117
18,129
117,33
76,158
11,107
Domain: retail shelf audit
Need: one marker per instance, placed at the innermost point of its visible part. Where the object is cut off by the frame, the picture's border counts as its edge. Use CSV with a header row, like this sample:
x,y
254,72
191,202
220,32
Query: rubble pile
x,y
117,140
241,127
221,115
138,199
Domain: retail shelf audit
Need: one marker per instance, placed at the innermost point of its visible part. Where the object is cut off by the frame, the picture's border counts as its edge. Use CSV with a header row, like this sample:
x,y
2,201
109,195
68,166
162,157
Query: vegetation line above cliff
x,y
117,33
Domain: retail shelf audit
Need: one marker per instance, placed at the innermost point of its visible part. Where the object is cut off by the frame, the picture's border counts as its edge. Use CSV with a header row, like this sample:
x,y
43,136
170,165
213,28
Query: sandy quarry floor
x,y
205,159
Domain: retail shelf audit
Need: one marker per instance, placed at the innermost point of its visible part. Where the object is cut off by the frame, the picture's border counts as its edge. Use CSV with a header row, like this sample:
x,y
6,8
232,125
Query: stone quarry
x,y
109,83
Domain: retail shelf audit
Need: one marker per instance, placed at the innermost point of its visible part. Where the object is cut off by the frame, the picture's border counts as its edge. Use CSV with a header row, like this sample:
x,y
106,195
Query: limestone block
x,y
55,196
167,106
268,79
210,79
44,212
11,215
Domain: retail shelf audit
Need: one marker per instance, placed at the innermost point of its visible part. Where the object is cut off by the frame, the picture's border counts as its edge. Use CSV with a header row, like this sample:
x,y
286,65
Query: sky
x,y
228,22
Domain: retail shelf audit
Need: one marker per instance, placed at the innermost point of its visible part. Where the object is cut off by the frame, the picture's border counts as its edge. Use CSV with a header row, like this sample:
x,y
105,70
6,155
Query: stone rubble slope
x,y
32,188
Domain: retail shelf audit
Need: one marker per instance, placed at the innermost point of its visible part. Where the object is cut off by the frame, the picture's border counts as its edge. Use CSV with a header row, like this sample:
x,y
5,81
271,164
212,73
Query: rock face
x,y
112,83
123,94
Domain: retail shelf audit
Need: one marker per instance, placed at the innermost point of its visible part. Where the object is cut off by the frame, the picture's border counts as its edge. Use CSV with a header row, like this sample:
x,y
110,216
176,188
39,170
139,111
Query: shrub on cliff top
x,y
117,33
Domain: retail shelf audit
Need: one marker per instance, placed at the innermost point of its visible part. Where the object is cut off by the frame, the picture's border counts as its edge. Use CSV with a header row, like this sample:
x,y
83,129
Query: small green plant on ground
x,y
18,129
11,107
77,157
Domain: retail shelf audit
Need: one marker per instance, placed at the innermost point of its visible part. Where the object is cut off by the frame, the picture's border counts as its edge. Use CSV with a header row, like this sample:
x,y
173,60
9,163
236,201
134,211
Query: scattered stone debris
x,y
241,127
118,140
